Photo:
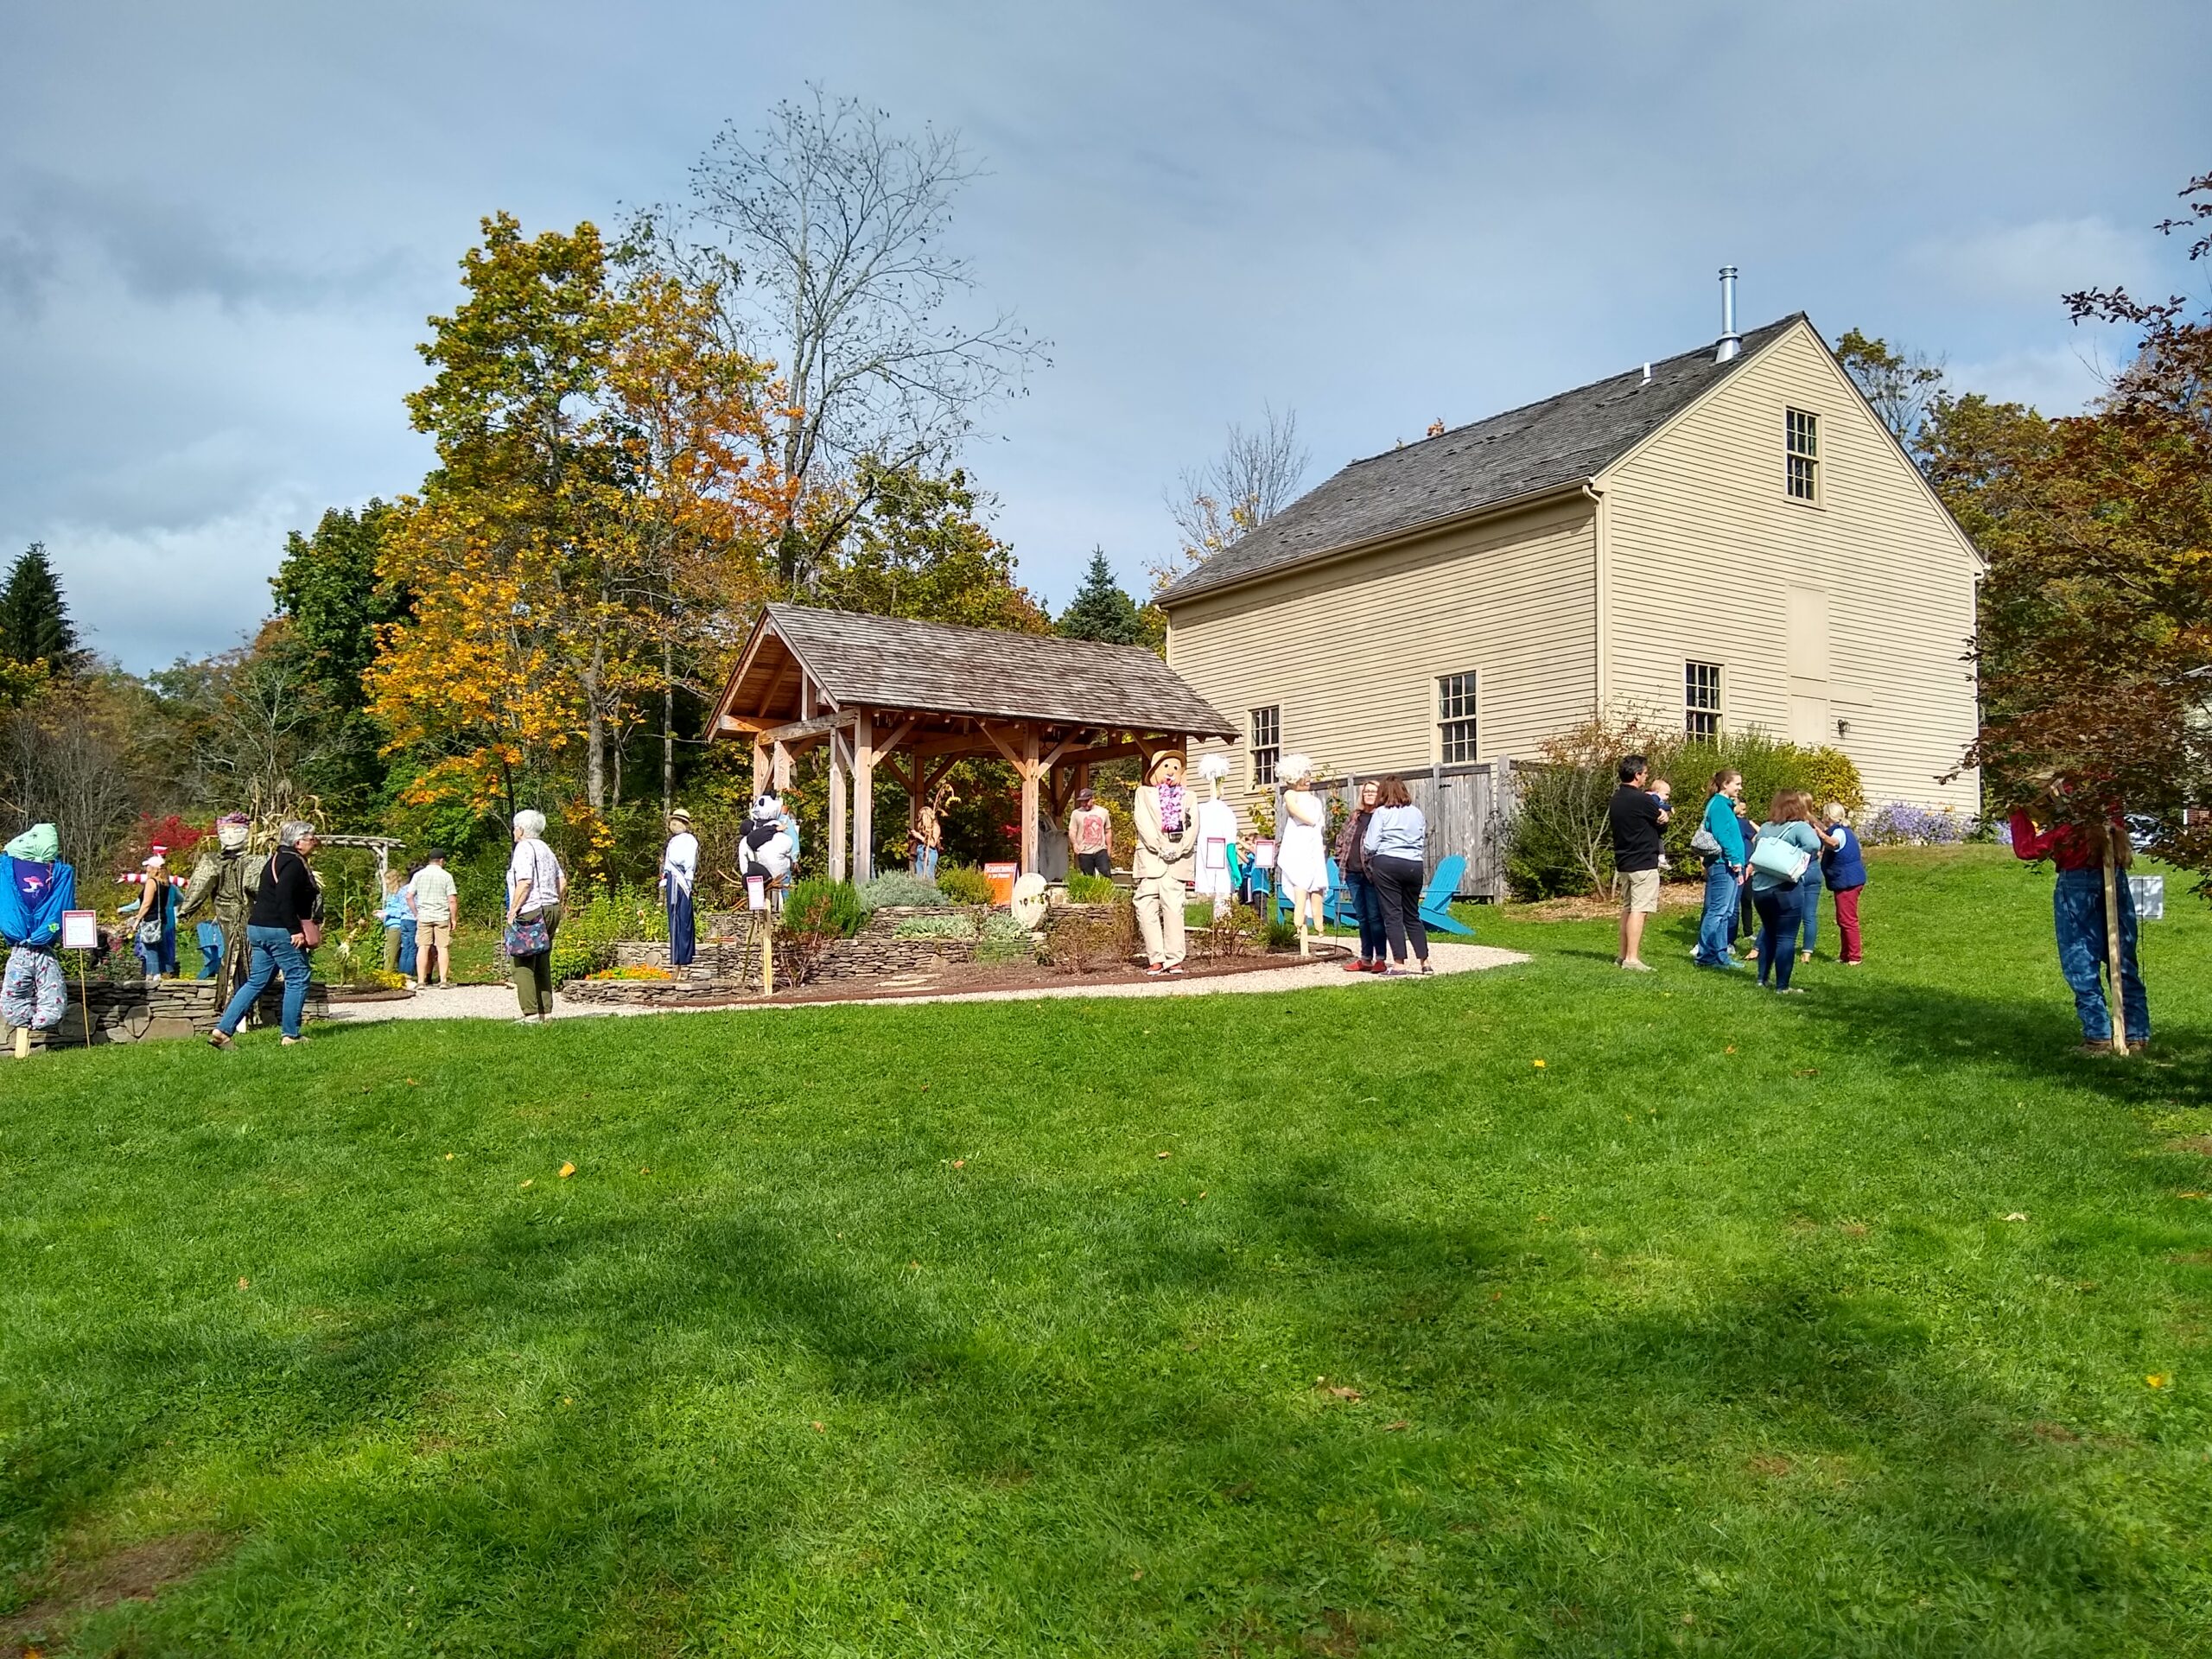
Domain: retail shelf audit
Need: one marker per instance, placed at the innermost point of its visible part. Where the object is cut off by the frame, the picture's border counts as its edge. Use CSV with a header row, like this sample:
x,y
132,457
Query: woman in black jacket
x,y
280,927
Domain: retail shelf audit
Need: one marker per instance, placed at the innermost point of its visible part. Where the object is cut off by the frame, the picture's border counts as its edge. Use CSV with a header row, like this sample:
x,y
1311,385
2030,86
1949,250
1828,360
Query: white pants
x,y
1159,919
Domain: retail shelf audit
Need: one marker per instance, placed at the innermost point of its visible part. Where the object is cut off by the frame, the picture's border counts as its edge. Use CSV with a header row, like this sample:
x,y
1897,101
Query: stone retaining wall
x,y
146,1011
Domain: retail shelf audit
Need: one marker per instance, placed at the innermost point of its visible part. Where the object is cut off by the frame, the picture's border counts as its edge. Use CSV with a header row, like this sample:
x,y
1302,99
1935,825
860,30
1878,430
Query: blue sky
x,y
221,227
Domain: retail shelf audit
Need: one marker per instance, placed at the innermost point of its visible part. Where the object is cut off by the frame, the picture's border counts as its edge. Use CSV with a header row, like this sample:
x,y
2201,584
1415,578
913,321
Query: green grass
x,y
889,1330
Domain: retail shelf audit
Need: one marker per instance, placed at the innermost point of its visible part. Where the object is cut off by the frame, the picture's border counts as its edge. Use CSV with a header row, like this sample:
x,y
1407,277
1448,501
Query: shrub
x,y
817,913
1090,889
898,889
963,884
1002,938
1561,841
1903,825
1282,934
594,924
934,927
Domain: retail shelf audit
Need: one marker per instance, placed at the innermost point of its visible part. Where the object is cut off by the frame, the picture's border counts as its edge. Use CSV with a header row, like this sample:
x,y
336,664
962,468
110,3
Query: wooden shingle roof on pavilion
x,y
895,663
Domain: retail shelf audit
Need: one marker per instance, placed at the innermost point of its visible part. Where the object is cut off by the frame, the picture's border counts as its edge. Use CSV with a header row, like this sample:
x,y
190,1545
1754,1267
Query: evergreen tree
x,y
1101,608
329,593
35,624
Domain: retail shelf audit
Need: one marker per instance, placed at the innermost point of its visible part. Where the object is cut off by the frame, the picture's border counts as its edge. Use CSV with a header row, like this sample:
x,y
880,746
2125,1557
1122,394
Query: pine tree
x,y
1101,608
35,622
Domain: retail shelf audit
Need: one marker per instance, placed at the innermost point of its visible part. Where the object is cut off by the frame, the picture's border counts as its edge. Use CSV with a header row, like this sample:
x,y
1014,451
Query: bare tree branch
x,y
1257,474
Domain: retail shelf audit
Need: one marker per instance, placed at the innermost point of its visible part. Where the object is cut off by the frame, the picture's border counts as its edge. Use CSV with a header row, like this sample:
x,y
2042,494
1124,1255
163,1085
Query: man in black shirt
x,y
1639,821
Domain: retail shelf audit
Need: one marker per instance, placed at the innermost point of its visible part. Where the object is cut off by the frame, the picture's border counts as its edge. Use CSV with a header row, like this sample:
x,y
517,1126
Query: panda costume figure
x,y
768,846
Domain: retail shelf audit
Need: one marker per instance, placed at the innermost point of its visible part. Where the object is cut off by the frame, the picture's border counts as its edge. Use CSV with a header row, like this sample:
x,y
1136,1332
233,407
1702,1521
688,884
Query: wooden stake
x,y
2115,998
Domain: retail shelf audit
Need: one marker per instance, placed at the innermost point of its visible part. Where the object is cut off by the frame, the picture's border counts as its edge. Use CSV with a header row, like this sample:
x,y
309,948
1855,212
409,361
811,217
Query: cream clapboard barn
x,y
1726,537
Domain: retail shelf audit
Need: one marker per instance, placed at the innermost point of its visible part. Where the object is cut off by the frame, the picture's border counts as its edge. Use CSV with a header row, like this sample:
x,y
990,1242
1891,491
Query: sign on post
x,y
2150,893
81,930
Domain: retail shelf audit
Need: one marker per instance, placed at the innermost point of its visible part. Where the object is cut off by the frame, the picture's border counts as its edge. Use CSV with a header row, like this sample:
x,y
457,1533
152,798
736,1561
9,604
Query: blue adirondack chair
x,y
1436,903
1339,909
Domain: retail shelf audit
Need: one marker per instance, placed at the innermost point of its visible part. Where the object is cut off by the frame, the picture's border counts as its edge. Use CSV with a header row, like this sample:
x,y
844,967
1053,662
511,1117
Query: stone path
x,y
497,1001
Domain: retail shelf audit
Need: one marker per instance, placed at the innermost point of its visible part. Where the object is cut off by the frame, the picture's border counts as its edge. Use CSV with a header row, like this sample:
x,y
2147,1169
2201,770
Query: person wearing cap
x,y
679,871
220,893
155,937
436,897
1167,834
1090,834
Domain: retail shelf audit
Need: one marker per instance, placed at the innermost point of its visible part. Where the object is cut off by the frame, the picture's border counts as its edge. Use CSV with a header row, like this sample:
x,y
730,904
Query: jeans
x,y
1716,928
1809,908
1367,906
1400,882
926,862
274,953
1094,864
2078,908
1780,911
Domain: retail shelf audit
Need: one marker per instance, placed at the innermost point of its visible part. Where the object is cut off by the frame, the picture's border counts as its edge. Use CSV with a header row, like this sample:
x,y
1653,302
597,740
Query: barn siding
x,y
1350,652
1699,523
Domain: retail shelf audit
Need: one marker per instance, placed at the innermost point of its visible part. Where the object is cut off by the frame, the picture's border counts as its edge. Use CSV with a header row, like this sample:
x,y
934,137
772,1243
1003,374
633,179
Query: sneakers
x,y
1354,967
1155,970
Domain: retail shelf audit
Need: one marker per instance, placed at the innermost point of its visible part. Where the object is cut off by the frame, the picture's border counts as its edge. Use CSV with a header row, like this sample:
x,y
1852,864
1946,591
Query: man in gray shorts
x,y
1639,824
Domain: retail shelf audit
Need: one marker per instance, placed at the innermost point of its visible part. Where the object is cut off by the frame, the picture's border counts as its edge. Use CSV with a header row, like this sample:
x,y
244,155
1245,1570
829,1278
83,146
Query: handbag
x,y
1779,858
1706,844
530,938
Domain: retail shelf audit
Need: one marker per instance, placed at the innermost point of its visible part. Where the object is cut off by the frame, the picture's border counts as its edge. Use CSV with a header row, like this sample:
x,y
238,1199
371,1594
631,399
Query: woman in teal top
x,y
1724,872
1790,821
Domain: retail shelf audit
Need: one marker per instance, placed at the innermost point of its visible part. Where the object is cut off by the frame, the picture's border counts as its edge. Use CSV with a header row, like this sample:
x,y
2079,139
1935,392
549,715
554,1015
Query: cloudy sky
x,y
222,225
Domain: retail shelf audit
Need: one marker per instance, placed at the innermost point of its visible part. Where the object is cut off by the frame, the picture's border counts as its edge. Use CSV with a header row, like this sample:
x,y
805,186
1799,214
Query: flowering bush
x,y
1903,825
636,971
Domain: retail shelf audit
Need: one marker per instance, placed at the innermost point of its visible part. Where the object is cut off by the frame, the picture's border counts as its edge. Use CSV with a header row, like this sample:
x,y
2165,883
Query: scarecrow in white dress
x,y
1302,864
1217,821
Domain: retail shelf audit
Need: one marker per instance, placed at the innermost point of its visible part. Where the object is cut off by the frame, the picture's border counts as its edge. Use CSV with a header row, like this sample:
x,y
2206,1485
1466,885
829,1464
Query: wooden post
x,y
863,796
836,806
1029,770
2115,998
780,768
759,768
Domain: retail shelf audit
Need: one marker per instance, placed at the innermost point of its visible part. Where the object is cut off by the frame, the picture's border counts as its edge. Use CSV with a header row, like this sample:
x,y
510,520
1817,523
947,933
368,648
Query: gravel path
x,y
497,1001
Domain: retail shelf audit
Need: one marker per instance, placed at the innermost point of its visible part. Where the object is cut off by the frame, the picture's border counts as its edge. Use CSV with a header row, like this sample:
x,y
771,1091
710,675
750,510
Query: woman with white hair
x,y
281,926
536,887
1302,862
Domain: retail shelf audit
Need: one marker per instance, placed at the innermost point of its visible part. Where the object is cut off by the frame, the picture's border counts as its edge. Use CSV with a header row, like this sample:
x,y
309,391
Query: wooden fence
x,y
1470,812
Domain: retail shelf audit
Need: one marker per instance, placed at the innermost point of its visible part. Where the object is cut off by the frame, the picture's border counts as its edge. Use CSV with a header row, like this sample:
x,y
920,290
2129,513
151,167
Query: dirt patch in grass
x,y
1673,895
2197,1143
1770,1465
136,1573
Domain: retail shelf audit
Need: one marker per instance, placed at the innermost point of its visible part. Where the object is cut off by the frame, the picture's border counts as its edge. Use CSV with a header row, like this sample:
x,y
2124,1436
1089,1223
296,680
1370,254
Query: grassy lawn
x,y
1547,1311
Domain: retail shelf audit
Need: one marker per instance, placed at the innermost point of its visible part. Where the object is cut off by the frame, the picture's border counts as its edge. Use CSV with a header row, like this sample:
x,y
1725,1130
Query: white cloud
x,y
2036,263
147,596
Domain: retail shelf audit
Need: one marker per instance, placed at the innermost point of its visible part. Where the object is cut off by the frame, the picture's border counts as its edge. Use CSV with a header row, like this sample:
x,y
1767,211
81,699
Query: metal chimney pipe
x,y
1732,344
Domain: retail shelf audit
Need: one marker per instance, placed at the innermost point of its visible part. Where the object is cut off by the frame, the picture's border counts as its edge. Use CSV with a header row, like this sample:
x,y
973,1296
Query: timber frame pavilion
x,y
913,698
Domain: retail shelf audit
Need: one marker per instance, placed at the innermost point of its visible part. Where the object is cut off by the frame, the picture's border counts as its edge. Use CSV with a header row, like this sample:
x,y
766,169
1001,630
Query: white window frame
x,y
1264,756
1692,710
1467,712
1809,457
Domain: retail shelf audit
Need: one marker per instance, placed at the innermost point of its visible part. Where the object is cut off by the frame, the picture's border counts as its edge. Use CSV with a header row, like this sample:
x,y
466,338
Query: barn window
x,y
1803,433
1701,699
1267,745
1455,718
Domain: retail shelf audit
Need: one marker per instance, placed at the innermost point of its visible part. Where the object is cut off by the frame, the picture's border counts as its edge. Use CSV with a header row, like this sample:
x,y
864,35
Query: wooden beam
x,y
837,808
1013,756
801,732
760,760
733,725
885,744
863,796
780,755
1028,768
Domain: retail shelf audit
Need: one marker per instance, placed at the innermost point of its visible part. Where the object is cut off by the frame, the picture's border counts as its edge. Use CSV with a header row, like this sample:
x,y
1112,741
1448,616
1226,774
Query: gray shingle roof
x,y
887,662
1559,440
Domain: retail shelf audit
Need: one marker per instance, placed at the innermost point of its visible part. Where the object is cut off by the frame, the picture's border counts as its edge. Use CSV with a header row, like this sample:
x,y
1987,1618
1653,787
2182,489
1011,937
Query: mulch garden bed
x,y
936,979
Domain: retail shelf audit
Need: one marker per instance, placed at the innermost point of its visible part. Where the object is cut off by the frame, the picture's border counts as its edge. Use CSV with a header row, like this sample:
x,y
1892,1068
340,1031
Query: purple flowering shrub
x,y
1903,825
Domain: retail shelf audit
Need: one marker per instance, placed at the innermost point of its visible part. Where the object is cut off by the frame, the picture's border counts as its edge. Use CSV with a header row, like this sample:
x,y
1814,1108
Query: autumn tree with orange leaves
x,y
602,498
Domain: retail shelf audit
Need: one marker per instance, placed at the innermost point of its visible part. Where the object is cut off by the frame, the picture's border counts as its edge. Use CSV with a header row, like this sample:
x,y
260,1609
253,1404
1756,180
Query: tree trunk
x,y
2115,998
667,728
595,733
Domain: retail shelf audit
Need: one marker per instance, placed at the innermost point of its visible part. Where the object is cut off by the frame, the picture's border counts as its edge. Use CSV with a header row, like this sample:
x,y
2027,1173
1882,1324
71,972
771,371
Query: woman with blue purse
x,y
536,887
1785,849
